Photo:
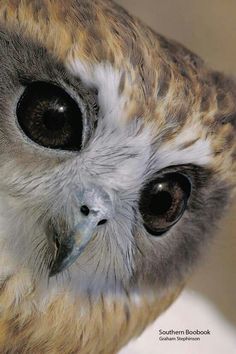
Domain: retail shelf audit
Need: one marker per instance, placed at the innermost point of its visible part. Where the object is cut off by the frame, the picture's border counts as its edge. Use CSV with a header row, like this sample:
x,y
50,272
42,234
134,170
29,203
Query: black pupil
x,y
49,116
160,203
55,119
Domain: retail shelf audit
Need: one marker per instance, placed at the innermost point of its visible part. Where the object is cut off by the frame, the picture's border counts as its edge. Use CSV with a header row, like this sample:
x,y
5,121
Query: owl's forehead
x,y
137,73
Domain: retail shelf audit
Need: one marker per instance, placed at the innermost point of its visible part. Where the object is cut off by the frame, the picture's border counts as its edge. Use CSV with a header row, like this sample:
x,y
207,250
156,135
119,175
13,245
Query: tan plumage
x,y
70,326
175,93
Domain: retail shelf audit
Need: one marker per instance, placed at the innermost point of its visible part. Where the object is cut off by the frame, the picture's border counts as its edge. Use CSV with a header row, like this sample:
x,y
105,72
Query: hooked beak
x,y
69,248
94,208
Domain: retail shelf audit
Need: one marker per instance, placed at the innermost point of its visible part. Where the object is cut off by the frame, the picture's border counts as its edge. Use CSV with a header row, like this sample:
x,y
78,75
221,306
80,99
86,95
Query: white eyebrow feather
x,y
106,79
188,147
198,153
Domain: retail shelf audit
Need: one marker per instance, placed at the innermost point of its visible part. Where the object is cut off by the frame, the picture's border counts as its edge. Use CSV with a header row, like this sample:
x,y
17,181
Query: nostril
x,y
102,222
85,210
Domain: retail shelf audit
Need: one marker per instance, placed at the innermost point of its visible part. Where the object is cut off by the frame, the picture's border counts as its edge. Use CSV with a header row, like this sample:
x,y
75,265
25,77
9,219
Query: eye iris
x,y
50,117
163,202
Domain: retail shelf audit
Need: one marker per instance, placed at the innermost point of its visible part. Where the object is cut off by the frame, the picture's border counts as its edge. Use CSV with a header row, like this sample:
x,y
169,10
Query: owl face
x,y
117,151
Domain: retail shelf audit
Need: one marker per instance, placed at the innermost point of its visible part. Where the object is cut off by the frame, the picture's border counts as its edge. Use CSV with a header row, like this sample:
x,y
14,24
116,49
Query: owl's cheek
x,y
162,262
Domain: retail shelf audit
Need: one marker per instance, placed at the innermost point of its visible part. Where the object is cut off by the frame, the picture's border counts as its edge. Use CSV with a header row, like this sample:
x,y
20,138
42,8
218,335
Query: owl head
x,y
117,148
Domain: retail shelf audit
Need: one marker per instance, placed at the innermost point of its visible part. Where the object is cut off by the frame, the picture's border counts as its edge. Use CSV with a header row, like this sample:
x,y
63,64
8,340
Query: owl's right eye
x,y
50,117
163,202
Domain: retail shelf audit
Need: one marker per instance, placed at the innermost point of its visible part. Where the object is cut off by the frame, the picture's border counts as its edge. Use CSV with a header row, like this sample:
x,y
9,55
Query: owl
x,y
117,158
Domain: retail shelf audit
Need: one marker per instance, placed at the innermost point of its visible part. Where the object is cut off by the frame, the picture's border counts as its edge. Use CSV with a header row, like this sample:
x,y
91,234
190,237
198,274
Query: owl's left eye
x,y
163,202
50,117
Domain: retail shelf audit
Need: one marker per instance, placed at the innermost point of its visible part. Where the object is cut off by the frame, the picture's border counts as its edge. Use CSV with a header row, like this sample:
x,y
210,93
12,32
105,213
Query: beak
x,y
69,248
94,208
